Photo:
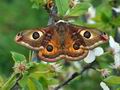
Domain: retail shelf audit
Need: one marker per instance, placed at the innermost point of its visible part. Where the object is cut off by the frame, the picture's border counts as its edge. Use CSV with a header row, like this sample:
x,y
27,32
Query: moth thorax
x,y
61,32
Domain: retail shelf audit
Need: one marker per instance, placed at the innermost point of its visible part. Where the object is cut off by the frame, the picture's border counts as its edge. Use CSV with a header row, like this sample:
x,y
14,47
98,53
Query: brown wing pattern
x,y
51,46
61,40
74,44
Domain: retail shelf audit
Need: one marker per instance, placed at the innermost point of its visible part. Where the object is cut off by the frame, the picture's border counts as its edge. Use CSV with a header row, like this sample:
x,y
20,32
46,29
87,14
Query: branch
x,y
74,75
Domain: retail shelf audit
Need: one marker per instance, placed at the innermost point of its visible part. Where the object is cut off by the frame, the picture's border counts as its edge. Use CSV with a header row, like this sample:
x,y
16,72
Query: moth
x,y
61,40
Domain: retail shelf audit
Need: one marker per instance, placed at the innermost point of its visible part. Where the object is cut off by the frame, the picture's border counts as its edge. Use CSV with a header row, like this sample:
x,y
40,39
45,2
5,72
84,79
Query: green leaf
x,y
44,83
1,81
44,74
105,9
39,67
105,18
35,6
11,81
112,80
23,81
37,84
25,88
78,10
96,3
105,59
118,88
31,85
37,3
62,6
116,21
52,81
18,57
30,82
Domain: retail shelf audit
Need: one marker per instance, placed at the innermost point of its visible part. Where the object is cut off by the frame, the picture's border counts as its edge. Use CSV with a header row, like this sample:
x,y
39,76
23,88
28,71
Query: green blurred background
x,y
16,15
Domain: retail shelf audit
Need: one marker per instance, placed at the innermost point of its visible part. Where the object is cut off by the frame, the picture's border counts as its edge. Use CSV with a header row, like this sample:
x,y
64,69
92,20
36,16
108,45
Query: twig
x,y
74,75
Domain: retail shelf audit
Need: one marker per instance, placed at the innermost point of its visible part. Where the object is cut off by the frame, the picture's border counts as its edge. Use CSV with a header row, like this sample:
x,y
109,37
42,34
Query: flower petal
x,y
98,51
90,57
116,9
91,12
113,44
104,86
117,59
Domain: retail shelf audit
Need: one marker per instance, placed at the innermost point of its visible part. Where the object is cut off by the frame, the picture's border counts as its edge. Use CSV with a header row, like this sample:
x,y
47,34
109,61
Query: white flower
x,y
91,14
116,51
56,67
92,54
104,86
116,9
